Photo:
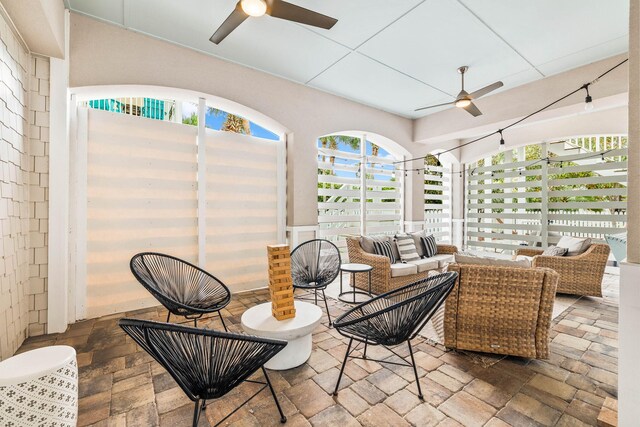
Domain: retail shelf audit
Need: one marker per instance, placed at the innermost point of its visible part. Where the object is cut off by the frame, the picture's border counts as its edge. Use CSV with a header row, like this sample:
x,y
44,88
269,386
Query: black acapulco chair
x,y
393,318
206,364
181,287
314,265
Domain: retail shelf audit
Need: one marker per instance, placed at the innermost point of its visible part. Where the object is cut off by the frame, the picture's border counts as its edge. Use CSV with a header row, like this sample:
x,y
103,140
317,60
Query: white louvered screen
x,y
580,192
437,202
141,196
384,195
339,208
242,207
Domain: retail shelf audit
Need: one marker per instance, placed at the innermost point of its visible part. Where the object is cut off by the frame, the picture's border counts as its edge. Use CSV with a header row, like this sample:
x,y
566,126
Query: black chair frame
x,y
312,290
440,290
172,305
139,331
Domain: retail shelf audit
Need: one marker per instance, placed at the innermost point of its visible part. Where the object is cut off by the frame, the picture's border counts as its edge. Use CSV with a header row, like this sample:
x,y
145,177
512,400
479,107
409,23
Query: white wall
x,y
125,57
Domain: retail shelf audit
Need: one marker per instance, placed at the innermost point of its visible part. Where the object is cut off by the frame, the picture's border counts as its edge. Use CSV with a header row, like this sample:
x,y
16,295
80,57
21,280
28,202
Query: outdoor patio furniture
x,y
502,310
206,364
386,276
297,331
393,318
618,245
184,289
314,265
40,388
579,275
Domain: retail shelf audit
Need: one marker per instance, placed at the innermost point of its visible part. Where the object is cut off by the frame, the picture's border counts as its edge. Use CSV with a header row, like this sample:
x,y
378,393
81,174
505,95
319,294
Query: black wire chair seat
x,y
315,265
206,364
181,287
393,318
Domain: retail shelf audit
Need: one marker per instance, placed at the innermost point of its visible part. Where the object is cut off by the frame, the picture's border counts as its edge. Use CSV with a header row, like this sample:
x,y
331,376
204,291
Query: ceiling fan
x,y
276,8
465,99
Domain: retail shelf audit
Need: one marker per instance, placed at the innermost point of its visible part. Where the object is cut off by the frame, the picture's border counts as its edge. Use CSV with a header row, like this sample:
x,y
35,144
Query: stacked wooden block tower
x,y
280,282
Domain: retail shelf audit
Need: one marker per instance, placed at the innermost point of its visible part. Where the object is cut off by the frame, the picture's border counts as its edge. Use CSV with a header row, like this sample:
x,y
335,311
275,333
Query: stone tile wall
x,y
24,135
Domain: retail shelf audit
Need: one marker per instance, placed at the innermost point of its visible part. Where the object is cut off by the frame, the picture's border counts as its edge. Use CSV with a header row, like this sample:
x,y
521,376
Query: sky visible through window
x,y
371,165
215,122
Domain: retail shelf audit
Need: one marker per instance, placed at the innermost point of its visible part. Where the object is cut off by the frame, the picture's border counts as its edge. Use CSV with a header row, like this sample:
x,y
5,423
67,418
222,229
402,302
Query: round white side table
x,y
297,331
40,387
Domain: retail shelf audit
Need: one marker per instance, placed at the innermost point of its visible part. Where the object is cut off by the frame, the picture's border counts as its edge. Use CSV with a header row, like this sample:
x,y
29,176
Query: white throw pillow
x,y
575,245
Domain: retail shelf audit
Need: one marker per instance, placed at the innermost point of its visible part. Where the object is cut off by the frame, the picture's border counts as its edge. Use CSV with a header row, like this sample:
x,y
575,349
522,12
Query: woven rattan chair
x,y
314,265
381,280
579,275
502,310
206,364
393,318
184,289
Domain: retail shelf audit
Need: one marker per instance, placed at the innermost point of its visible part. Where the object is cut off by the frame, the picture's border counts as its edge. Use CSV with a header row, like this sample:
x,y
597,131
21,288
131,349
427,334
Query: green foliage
x,y
192,120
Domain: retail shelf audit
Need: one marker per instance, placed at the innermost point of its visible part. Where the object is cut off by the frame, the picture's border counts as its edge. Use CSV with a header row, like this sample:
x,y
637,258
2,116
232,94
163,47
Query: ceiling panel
x,y
364,80
265,43
545,30
358,20
592,54
436,38
108,10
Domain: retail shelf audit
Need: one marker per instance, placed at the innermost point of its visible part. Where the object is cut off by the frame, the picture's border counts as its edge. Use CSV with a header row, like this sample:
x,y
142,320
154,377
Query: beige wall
x,y
24,122
103,54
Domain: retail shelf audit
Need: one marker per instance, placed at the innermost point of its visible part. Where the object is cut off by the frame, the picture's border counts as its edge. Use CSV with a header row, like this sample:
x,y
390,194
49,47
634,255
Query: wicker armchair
x,y
381,280
502,310
579,275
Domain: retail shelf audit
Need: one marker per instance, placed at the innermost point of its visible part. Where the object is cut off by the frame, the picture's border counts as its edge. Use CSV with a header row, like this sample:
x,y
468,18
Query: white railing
x,y
152,108
437,202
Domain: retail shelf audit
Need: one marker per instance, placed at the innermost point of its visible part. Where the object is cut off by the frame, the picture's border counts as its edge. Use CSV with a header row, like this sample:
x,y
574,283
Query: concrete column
x,y
629,352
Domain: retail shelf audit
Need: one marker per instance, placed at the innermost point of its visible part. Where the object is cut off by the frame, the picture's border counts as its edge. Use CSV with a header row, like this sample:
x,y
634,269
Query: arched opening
x,y
360,185
146,183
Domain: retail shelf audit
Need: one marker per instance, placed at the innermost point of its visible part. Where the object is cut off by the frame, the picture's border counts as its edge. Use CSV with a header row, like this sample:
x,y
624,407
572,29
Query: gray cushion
x,y
399,270
416,240
406,248
425,264
555,251
366,242
443,259
575,245
476,260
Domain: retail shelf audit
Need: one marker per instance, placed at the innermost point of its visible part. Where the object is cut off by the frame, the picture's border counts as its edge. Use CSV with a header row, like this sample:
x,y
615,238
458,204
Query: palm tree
x,y
332,142
232,123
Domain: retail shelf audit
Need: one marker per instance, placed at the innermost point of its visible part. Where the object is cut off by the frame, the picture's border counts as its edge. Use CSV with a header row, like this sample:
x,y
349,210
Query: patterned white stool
x,y
40,388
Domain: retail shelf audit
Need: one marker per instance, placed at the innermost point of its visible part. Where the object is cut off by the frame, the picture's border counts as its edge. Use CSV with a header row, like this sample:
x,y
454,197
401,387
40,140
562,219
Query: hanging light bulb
x,y
588,101
501,146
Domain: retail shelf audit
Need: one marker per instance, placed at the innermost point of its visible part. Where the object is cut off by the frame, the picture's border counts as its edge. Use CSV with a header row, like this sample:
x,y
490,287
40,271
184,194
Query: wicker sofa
x,y
382,279
502,310
579,275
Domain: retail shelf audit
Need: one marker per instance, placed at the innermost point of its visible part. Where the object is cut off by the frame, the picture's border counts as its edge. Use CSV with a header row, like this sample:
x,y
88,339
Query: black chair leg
x,y
168,316
344,362
283,419
315,292
326,306
364,354
195,323
197,410
222,320
415,371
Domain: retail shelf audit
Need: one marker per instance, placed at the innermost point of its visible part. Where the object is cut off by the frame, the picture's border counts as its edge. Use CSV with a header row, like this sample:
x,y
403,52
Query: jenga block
x,y
280,282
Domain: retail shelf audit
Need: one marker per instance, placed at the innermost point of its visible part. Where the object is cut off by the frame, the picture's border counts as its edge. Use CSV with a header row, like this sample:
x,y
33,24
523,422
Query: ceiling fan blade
x,y
291,12
434,106
473,110
485,90
236,18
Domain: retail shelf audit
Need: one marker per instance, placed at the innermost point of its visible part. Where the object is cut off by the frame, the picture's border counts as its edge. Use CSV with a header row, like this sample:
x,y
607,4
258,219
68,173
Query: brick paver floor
x,y
120,385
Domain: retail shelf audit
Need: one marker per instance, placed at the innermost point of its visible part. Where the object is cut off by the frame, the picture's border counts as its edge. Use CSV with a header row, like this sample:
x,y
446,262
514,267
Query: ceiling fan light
x,y
461,103
254,7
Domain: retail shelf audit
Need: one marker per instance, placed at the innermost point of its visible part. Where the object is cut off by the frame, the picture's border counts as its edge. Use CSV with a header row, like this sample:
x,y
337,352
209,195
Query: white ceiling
x,y
394,55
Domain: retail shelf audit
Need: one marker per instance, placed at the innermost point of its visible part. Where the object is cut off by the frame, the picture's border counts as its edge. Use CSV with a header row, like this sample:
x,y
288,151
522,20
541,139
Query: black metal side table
x,y
354,269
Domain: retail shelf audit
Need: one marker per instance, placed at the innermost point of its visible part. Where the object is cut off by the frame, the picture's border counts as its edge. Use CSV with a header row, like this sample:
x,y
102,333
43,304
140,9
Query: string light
x,y
588,104
501,146
588,101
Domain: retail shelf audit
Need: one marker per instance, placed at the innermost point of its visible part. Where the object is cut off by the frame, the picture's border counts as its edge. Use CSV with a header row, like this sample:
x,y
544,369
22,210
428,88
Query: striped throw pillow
x,y
407,248
384,248
430,246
